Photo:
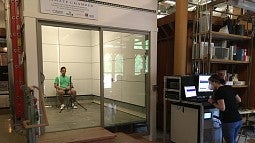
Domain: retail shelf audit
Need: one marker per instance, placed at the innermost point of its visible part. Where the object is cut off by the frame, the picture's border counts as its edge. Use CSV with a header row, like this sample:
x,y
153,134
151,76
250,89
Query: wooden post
x,y
180,41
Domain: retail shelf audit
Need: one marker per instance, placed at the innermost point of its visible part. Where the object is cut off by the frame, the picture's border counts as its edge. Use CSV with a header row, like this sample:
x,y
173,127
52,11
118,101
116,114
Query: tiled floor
x,y
70,119
8,135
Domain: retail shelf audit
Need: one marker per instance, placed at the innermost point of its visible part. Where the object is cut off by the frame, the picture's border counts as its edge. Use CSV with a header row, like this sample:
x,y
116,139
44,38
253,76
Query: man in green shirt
x,y
63,86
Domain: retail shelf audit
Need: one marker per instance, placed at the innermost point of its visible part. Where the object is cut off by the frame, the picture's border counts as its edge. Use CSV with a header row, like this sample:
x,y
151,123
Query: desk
x,y
247,113
188,123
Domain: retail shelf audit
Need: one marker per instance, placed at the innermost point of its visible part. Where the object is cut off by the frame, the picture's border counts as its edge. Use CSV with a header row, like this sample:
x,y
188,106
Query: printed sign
x,y
70,8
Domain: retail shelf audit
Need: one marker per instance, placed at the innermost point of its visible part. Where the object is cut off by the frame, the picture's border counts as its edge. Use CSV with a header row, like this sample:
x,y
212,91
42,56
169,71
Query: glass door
x,y
109,71
76,49
125,62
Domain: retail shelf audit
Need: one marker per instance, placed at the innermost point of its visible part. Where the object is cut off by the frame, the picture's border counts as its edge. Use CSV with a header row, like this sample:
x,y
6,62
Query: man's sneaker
x,y
62,106
74,106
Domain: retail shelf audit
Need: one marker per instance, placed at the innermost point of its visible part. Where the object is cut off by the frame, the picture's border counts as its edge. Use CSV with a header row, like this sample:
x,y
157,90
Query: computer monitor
x,y
190,91
207,115
203,83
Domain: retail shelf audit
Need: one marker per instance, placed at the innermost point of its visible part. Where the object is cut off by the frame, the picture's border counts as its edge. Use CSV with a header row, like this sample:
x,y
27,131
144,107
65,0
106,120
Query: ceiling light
x,y
172,3
191,8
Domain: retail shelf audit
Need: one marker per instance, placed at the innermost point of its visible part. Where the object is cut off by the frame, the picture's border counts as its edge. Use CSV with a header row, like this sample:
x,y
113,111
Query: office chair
x,y
70,100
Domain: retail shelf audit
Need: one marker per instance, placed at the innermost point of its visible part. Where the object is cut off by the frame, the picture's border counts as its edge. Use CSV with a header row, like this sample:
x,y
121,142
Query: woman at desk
x,y
226,99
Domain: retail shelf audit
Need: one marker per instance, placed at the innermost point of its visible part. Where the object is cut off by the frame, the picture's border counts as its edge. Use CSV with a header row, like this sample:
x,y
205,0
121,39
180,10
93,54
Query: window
x,y
138,44
147,64
138,64
118,66
107,71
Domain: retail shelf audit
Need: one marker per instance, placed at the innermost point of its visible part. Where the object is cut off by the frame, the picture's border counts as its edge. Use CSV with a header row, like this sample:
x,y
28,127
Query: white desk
x,y
247,113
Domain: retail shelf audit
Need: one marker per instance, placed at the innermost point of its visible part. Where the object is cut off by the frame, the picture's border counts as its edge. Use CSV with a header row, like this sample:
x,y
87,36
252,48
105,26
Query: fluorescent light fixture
x,y
160,15
191,8
200,2
172,3
245,4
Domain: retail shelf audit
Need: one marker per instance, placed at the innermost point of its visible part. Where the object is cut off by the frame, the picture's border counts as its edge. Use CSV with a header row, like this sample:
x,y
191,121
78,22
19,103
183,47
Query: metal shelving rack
x,y
204,65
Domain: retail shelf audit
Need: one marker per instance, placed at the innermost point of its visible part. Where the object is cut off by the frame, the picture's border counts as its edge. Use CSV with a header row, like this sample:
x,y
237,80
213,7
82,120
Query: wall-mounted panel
x,y
96,70
50,35
133,92
75,54
50,70
83,87
50,52
96,87
49,89
75,37
78,70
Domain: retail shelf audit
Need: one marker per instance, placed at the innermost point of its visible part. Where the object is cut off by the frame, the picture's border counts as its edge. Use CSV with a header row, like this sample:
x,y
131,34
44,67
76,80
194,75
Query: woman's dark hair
x,y
216,78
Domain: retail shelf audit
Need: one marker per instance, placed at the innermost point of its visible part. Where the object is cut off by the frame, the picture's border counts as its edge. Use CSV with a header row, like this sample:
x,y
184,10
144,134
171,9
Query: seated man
x,y
64,86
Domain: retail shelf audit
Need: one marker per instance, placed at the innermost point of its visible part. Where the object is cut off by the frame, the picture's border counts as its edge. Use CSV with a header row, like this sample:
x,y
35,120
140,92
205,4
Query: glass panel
x,y
125,70
78,51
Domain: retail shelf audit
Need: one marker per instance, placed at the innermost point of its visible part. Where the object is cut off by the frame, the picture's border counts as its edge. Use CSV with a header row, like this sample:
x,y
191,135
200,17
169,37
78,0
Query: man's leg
x,y
61,98
72,92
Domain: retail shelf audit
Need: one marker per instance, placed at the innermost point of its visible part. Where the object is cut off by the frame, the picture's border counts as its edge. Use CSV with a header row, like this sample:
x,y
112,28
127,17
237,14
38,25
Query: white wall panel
x,y
50,35
108,93
112,36
49,89
129,69
95,54
95,38
75,54
50,52
117,90
83,87
50,70
96,87
96,70
77,37
133,92
78,70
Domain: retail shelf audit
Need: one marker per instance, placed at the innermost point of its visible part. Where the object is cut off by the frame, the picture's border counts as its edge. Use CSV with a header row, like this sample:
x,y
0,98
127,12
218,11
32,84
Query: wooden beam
x,y
180,41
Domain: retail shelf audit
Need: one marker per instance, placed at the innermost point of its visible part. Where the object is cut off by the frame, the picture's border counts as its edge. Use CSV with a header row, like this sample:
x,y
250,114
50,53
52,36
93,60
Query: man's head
x,y
63,71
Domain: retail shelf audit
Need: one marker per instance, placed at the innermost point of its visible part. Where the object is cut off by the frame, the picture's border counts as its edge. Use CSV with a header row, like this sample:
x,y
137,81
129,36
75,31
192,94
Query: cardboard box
x,y
2,32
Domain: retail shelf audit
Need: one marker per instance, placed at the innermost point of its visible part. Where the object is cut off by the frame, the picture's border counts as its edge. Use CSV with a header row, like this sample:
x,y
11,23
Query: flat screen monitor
x,y
207,115
203,83
190,91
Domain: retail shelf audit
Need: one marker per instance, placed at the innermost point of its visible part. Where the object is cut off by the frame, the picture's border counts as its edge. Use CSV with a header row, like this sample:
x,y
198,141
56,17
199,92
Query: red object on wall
x,y
17,50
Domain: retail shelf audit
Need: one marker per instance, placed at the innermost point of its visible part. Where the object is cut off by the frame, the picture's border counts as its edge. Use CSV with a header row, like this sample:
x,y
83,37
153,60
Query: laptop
x,y
191,94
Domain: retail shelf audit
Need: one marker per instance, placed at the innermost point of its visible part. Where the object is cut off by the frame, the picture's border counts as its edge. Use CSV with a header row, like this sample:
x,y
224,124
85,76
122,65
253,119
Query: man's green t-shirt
x,y
62,81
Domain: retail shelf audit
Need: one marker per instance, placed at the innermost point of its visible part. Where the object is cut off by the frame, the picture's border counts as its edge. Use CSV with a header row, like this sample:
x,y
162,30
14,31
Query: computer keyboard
x,y
198,99
202,98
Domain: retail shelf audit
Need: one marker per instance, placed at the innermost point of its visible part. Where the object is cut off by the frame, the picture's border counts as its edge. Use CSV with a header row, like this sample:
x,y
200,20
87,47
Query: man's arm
x,y
56,83
56,86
